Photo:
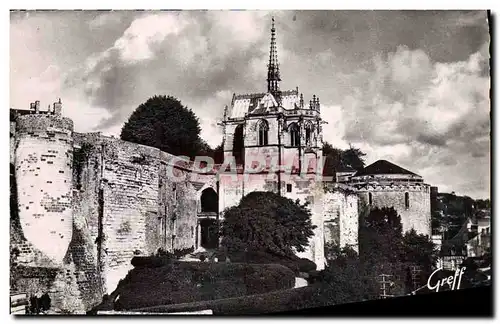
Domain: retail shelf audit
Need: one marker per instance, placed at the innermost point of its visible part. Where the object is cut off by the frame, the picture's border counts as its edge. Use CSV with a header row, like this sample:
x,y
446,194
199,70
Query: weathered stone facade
x,y
388,185
43,159
280,150
94,209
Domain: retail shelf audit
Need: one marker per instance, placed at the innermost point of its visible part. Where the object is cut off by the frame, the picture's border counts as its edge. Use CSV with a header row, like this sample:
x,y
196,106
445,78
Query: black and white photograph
x,y
250,162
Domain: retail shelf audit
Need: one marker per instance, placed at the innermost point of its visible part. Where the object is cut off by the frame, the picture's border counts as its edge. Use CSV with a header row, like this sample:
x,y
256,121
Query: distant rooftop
x,y
383,167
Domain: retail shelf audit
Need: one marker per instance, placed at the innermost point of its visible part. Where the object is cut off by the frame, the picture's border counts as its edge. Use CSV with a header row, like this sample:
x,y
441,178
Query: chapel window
x,y
294,135
309,131
263,132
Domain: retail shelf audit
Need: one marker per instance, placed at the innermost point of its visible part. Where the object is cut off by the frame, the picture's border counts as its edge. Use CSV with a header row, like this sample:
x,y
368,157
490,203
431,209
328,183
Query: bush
x,y
294,263
156,261
306,265
266,221
271,302
175,282
38,305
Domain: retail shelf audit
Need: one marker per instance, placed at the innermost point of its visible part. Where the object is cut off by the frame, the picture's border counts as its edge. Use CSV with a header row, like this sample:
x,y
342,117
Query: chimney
x,y
58,108
37,107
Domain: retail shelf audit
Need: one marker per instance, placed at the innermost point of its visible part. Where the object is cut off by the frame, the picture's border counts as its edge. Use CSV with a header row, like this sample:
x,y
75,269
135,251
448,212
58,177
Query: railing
x,y
297,112
18,303
385,180
207,215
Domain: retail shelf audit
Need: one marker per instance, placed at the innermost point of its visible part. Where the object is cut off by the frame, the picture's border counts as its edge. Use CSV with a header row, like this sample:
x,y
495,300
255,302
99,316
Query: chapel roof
x,y
383,167
253,103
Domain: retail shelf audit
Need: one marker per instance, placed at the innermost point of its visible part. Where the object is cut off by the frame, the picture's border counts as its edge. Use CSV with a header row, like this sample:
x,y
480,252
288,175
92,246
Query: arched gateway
x,y
207,227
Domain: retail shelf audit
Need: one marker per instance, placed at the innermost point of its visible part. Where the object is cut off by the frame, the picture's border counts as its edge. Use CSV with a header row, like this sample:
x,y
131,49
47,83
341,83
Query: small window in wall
x,y
407,200
288,187
370,199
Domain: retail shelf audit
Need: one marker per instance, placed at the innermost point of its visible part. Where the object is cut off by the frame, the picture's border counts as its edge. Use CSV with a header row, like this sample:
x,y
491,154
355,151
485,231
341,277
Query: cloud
x,y
105,20
440,111
191,56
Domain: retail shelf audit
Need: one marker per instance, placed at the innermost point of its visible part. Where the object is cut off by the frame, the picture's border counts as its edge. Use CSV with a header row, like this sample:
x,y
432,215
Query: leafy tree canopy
x,y
383,245
267,222
217,154
337,159
349,278
163,122
380,236
419,249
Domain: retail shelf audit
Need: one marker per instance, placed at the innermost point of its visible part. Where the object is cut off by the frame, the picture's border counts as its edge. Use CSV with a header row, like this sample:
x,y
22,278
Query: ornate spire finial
x,y
301,100
273,70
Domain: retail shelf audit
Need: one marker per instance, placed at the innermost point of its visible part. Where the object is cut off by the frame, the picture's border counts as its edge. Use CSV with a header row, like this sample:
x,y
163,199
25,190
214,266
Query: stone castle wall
x,y
113,200
133,203
125,199
341,218
129,187
417,215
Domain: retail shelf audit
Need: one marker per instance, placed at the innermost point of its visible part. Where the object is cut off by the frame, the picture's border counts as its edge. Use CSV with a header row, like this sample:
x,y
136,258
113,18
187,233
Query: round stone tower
x,y
43,162
384,184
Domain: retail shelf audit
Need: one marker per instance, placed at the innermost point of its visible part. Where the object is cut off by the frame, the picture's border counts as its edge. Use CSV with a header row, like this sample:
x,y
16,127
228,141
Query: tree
x,y
218,154
381,236
483,204
334,254
384,246
163,122
337,159
345,279
419,249
267,222
354,158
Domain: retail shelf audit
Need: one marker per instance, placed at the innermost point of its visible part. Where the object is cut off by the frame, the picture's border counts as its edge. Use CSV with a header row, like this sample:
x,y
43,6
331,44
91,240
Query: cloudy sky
x,y
411,87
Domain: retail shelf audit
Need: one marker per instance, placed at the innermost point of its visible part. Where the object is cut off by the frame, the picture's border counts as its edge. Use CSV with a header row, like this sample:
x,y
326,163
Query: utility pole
x,y
415,276
384,282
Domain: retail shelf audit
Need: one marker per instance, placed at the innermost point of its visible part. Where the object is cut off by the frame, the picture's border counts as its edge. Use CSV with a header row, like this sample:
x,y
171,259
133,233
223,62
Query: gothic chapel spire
x,y
273,69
